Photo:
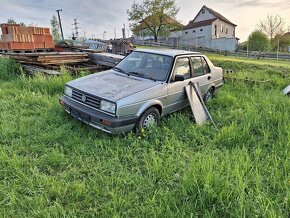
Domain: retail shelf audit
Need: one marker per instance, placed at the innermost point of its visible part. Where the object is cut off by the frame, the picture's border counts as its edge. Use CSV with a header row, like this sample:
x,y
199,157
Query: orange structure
x,y
19,38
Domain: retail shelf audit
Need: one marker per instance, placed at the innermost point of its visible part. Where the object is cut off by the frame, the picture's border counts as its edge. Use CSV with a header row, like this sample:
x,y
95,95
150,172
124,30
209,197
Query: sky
x,y
109,16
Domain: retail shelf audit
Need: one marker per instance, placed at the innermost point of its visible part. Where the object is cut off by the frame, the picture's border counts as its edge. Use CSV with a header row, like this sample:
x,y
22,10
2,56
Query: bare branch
x,y
272,25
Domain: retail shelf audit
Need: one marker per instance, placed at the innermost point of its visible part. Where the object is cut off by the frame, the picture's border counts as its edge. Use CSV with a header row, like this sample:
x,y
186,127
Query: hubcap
x,y
149,121
208,96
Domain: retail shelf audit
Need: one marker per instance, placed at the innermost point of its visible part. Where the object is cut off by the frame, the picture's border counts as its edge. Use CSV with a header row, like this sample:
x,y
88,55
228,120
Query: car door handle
x,y
209,77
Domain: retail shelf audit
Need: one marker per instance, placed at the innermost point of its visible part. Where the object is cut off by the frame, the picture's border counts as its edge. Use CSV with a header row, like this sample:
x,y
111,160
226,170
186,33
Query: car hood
x,y
111,85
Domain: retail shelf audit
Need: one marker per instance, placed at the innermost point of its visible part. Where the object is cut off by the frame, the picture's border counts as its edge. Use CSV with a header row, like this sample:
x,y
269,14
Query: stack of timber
x,y
105,59
50,62
33,70
17,38
50,58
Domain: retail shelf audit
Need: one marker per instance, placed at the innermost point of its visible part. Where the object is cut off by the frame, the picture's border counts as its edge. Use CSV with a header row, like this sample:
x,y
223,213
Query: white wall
x,y
223,44
221,29
204,39
205,16
196,37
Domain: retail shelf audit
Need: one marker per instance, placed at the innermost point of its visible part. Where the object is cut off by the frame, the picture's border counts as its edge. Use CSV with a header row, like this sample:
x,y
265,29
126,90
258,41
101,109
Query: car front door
x,y
181,76
201,72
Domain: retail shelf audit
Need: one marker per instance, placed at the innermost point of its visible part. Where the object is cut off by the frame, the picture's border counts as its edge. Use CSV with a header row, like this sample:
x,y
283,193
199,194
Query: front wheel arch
x,y
152,103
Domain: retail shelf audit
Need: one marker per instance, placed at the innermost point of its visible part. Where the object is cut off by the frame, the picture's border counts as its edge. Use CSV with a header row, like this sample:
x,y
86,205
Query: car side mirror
x,y
178,78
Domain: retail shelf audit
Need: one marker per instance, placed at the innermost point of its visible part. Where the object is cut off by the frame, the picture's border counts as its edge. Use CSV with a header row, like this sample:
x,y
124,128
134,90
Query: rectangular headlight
x,y
108,106
68,91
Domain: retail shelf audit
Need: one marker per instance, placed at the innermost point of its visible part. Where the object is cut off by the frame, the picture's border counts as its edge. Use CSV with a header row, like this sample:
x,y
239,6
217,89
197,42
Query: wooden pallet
x,y
26,51
50,58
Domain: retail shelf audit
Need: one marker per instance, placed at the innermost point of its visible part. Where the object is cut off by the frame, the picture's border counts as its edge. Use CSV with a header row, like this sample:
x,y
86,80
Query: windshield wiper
x,y
120,70
142,75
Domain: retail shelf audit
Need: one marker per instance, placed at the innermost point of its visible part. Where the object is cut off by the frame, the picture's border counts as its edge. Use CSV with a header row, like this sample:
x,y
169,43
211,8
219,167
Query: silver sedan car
x,y
140,89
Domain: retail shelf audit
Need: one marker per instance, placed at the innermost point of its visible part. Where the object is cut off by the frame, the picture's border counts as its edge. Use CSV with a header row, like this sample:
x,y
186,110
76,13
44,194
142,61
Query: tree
x,y
11,21
55,28
258,41
243,45
284,42
155,15
272,26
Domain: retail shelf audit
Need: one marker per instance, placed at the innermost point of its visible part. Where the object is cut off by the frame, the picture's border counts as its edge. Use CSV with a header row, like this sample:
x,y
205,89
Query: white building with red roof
x,y
208,29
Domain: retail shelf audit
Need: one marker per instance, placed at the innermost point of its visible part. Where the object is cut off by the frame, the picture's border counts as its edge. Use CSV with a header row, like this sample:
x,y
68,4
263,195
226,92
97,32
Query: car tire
x,y
208,95
149,118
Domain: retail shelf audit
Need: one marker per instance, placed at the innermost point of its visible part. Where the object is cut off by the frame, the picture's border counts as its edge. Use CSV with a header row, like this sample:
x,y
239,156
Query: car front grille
x,y
87,99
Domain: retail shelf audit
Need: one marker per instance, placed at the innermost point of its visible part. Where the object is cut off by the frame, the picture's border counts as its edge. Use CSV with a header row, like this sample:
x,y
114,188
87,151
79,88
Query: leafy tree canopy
x,y
155,17
55,28
258,41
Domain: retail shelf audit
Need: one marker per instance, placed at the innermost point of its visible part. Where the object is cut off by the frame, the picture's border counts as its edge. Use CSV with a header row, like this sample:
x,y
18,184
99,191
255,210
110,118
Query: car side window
x,y
205,66
182,68
197,66
200,66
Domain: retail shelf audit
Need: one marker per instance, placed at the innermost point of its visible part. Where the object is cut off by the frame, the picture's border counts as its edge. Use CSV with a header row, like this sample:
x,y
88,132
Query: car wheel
x,y
149,118
208,95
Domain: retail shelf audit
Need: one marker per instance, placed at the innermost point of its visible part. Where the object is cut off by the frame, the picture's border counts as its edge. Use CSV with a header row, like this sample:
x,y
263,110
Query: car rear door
x,y
201,72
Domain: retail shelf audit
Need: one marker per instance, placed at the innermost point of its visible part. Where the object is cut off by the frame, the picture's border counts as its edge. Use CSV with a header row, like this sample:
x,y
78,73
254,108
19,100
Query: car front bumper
x,y
98,119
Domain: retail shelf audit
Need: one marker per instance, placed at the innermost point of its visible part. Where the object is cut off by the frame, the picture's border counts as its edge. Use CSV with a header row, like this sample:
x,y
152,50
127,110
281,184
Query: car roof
x,y
168,52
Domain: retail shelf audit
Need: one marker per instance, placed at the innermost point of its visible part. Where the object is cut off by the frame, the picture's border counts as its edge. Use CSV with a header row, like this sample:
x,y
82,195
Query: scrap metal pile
x,y
105,59
17,38
121,46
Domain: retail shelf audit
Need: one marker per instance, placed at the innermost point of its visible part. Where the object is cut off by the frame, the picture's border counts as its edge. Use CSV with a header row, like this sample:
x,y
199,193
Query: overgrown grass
x,y
52,165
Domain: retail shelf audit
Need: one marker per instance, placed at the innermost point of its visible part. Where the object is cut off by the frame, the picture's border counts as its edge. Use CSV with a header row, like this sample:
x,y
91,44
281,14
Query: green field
x,y
54,166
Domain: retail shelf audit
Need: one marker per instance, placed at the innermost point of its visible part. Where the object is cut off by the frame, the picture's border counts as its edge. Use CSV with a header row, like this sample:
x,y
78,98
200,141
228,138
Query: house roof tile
x,y
218,15
192,25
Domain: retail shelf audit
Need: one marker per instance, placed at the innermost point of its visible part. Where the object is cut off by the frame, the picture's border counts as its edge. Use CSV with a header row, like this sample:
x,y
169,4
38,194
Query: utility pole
x,y
85,33
76,28
115,33
59,20
278,50
247,48
123,32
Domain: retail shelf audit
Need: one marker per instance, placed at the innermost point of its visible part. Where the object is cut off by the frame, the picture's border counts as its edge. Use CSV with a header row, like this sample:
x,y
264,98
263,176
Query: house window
x,y
233,32
222,28
201,30
193,31
215,30
203,11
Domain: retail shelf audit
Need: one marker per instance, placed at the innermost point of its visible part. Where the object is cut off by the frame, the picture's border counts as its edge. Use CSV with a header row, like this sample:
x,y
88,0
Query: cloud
x,y
94,16
260,3
97,16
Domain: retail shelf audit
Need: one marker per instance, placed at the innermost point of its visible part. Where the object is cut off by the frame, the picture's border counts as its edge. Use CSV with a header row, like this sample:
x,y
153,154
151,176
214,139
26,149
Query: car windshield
x,y
146,65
